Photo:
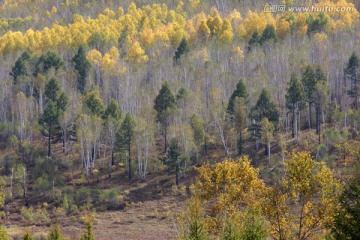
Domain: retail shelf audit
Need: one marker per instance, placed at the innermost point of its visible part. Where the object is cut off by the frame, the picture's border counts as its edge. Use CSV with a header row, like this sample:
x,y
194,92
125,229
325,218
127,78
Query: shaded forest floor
x,y
149,209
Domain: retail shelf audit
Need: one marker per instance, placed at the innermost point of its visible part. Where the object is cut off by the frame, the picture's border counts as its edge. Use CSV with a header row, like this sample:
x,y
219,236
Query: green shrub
x,y
3,234
55,233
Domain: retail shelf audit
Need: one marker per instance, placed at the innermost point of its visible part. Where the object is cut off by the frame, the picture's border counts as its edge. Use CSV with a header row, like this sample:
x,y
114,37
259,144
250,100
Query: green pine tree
x,y
49,121
82,66
53,90
255,39
125,137
94,104
181,50
240,92
240,114
352,73
165,103
48,61
264,108
112,110
309,82
295,102
268,34
20,68
173,159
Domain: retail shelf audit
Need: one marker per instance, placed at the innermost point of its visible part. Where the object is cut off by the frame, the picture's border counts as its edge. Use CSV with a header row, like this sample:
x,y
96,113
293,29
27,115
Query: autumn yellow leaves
x,y
138,29
300,205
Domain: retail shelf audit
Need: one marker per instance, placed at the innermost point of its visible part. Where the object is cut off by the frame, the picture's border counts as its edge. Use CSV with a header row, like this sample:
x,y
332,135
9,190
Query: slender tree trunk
x,y
177,174
165,138
293,123
129,154
112,156
310,116
11,182
49,141
269,149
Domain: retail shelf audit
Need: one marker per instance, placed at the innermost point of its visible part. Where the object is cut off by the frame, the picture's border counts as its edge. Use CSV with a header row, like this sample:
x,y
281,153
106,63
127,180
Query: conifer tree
x,y
240,114
82,66
57,102
268,34
165,103
309,81
181,50
48,61
240,92
320,100
264,108
112,117
295,102
20,68
352,73
94,104
49,121
125,137
255,38
173,158
53,90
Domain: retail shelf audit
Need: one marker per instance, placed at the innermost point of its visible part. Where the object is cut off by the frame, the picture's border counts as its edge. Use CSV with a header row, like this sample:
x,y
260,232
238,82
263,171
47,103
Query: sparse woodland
x,y
245,122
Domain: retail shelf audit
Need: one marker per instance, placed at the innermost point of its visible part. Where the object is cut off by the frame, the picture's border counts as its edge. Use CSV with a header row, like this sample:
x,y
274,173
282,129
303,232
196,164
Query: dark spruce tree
x,y
20,68
112,118
255,39
268,34
240,92
309,82
264,108
49,122
57,102
48,61
181,50
352,73
125,137
295,102
52,90
165,104
173,159
94,105
82,66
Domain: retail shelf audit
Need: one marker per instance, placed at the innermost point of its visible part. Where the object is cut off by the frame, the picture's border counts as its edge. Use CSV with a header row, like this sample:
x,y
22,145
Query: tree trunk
x,y
165,138
269,153
177,174
49,141
112,156
310,116
292,123
129,154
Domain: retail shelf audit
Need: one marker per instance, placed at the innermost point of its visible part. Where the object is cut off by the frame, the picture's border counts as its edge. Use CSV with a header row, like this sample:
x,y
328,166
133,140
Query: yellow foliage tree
x,y
136,54
227,34
229,185
311,188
